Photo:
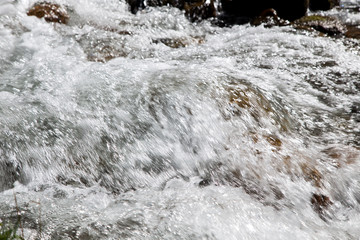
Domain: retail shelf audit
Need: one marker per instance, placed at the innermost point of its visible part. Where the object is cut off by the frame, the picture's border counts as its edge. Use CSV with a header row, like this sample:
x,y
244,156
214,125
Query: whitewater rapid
x,y
148,126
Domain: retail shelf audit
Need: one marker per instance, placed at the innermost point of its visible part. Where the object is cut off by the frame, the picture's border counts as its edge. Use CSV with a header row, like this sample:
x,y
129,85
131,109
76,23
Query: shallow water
x,y
147,126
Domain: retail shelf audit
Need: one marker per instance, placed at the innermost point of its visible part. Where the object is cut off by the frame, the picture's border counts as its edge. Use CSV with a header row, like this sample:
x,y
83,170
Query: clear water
x,y
109,133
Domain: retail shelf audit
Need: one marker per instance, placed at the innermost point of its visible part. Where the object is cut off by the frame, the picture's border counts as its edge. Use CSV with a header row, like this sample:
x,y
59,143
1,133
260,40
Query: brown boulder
x,y
50,12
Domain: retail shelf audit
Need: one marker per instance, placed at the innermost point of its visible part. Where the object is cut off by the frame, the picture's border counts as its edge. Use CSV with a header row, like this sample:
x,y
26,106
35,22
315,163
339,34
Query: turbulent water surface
x,y
148,126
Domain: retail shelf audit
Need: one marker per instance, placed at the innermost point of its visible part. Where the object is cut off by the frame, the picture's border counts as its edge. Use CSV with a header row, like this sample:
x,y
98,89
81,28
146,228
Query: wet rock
x,y
175,3
104,53
51,12
194,9
341,156
320,204
246,100
269,18
289,10
103,49
231,11
198,10
179,42
205,182
316,5
324,24
353,32
10,172
274,141
135,5
312,174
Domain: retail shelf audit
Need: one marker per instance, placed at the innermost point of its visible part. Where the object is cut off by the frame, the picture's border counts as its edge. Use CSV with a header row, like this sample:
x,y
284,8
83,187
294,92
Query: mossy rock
x,y
50,12
324,24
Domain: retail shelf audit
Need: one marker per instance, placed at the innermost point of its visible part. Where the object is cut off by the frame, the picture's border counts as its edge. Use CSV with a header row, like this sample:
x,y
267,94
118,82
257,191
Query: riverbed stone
x,y
324,24
51,12
353,32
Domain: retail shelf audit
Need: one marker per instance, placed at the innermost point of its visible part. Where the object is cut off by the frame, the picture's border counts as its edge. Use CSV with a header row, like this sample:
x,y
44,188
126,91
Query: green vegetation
x,y
9,232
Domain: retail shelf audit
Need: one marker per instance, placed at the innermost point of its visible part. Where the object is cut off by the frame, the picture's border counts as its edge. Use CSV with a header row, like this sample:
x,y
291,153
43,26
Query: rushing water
x,y
109,132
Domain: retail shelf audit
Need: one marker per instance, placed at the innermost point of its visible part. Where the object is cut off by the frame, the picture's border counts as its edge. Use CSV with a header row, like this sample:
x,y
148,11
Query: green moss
x,y
313,18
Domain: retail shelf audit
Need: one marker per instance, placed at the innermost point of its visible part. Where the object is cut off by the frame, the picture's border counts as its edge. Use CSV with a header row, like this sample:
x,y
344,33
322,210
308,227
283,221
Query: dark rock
x,y
175,3
136,5
194,9
324,24
289,10
198,10
269,18
233,11
316,5
205,182
10,172
320,203
50,12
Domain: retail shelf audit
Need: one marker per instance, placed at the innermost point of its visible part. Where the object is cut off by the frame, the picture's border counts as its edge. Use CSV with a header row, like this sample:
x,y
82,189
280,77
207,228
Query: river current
x,y
148,126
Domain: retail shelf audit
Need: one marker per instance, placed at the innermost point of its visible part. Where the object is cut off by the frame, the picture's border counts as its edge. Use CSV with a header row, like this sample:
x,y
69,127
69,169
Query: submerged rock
x,y
324,24
311,174
51,12
320,204
179,42
269,18
316,5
